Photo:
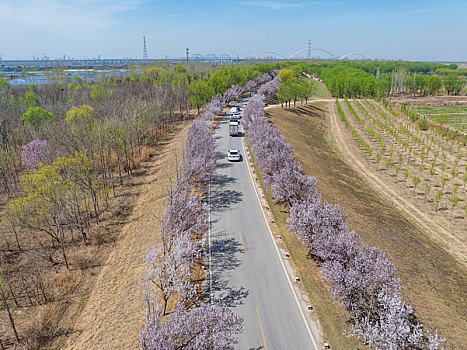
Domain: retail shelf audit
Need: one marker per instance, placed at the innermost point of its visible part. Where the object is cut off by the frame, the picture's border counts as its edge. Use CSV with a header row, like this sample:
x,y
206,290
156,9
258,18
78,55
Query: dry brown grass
x,y
115,312
435,283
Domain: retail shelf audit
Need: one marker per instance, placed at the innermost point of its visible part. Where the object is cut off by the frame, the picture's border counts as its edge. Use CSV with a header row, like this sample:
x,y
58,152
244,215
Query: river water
x,y
44,78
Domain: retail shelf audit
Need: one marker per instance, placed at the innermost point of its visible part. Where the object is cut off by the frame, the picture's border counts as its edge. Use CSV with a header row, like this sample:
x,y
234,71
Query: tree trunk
x,y
7,307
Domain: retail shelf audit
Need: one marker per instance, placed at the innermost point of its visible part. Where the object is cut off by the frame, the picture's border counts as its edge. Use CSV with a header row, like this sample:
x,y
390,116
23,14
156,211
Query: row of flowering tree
x,y
361,277
177,315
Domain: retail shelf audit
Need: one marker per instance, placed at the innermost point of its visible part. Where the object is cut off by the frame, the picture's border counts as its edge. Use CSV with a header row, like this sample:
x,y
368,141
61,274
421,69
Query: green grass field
x,y
455,116
320,89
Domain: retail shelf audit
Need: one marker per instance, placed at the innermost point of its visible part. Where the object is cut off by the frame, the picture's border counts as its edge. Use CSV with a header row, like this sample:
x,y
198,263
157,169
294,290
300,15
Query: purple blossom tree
x,y
198,154
391,328
250,85
34,153
356,283
269,89
185,212
233,93
168,273
207,327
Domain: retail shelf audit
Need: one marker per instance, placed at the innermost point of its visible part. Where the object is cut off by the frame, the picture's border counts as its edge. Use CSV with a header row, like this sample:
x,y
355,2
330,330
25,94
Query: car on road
x,y
233,110
233,155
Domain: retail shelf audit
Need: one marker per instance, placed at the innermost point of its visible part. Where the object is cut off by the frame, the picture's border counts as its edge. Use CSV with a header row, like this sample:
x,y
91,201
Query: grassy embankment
x,y
435,283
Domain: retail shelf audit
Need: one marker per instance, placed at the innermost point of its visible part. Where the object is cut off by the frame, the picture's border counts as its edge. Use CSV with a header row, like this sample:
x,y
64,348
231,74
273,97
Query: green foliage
x,y
397,168
201,92
4,85
287,75
438,197
388,162
97,92
36,116
74,87
180,69
427,189
415,181
444,179
434,84
453,83
423,124
454,201
30,100
80,115
378,159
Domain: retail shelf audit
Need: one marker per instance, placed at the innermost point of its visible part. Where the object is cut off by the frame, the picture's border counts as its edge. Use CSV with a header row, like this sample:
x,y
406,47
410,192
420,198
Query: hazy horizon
x,y
416,31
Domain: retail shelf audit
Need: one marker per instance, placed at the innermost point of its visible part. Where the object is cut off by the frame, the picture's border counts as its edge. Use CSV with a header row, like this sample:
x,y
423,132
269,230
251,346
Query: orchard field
x,y
426,171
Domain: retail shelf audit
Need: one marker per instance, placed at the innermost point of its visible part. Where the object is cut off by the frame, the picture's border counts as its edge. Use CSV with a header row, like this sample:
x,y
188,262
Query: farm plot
x,y
455,116
424,171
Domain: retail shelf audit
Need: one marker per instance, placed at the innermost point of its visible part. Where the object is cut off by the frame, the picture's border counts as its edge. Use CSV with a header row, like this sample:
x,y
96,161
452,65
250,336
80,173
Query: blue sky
x,y
412,30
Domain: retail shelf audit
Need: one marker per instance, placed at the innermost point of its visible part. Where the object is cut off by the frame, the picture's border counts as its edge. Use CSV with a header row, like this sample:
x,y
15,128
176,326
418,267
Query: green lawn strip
x,y
442,109
321,91
331,316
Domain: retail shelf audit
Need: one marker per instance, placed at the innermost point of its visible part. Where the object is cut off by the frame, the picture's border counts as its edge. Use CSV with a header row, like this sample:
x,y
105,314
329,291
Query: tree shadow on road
x,y
221,197
223,254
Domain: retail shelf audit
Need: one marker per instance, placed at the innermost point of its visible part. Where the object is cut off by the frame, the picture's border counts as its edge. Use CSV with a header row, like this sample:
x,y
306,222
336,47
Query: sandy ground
x,y
115,312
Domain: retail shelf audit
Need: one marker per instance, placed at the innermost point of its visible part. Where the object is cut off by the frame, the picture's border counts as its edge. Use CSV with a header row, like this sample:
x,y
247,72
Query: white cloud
x,y
76,16
278,5
416,12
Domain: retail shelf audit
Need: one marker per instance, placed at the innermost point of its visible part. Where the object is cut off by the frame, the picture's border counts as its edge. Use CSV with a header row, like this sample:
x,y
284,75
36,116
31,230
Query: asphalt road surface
x,y
247,275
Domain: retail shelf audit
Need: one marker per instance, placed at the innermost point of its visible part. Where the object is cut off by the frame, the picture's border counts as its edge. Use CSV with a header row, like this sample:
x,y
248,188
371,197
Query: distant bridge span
x,y
269,52
352,54
312,49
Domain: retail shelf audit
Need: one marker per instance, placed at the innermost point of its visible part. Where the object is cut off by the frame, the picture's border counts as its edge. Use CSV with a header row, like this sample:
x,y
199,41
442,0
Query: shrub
x,y
423,124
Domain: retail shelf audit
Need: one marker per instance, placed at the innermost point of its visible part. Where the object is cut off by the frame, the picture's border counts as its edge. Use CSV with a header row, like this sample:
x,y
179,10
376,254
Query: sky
x,y
393,29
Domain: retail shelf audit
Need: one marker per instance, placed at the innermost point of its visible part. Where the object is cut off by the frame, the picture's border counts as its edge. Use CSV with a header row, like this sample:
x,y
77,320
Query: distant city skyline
x,y
415,30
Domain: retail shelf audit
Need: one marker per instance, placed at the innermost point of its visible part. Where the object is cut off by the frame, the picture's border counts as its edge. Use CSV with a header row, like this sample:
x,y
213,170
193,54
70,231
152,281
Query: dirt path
x,y
447,240
115,311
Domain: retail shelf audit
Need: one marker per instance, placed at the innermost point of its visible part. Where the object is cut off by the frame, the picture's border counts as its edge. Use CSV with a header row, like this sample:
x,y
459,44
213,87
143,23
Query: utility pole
x,y
187,53
145,50
309,49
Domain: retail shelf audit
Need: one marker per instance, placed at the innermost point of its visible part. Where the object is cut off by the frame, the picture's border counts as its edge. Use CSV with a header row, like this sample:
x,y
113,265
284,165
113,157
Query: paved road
x,y
247,275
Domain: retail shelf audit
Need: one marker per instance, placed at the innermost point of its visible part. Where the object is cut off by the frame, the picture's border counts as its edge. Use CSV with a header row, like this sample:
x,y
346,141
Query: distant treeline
x,y
383,79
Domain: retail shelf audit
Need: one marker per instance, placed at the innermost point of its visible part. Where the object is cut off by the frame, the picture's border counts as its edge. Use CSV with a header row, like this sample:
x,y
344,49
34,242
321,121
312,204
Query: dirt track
x,y
115,312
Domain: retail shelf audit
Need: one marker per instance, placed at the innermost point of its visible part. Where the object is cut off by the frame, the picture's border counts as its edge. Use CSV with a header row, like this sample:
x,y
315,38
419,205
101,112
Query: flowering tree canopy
x,y
34,153
207,327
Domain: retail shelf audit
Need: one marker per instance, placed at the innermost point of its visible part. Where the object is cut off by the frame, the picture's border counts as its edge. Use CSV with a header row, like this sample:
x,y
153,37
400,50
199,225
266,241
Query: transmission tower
x,y
145,50
187,53
309,48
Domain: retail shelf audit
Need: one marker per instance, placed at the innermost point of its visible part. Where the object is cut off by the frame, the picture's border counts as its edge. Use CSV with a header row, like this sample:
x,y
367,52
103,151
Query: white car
x,y
233,155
